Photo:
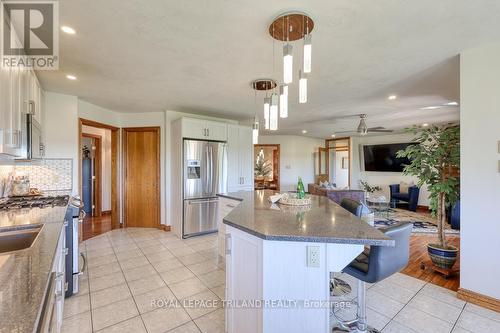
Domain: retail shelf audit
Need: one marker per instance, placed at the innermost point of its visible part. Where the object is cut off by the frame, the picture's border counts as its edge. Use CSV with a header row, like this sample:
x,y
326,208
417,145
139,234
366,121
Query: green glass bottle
x,y
301,193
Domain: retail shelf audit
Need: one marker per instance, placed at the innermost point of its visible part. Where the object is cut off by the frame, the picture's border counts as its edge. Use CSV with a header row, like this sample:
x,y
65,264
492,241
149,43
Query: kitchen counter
x,y
324,221
24,274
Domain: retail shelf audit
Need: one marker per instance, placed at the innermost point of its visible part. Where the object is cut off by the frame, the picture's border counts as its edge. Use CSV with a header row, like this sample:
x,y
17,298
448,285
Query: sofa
x,y
411,197
336,194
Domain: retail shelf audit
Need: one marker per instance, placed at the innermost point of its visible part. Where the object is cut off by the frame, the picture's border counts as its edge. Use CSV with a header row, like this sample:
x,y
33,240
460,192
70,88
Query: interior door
x,y
142,176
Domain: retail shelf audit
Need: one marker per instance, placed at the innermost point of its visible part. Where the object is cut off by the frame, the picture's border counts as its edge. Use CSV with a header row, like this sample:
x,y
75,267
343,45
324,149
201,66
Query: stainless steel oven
x,y
74,217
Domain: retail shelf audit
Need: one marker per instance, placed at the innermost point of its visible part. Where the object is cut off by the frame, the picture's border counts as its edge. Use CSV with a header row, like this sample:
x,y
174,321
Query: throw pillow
x,y
403,187
323,184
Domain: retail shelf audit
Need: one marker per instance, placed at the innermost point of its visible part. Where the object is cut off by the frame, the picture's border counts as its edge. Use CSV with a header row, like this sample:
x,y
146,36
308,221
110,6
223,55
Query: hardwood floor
x,y
94,226
418,253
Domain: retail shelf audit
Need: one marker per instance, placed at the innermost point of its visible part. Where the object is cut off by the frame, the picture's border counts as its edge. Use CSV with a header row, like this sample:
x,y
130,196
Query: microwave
x,y
32,142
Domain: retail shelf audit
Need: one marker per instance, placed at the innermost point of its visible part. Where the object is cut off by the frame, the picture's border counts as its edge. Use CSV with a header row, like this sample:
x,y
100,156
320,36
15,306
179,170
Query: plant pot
x,y
442,257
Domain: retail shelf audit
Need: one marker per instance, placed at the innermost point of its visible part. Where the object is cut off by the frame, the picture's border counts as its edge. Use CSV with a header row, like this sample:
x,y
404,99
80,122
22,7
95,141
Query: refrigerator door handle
x,y
211,163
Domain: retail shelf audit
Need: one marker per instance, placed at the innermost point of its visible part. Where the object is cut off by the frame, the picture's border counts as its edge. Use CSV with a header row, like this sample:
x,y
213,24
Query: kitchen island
x,y
279,259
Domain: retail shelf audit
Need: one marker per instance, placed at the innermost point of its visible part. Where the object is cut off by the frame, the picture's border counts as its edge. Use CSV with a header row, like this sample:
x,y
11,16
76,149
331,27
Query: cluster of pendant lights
x,y
287,28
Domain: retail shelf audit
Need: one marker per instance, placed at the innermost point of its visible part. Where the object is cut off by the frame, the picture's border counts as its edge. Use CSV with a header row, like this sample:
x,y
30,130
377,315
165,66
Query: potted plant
x,y
434,159
369,189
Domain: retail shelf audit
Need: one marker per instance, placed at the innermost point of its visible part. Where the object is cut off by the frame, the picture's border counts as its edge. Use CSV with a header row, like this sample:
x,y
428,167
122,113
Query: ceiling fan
x,y
363,129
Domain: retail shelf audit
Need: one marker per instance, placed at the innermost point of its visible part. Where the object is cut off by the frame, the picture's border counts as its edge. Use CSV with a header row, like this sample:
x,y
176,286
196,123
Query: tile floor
x,y
130,269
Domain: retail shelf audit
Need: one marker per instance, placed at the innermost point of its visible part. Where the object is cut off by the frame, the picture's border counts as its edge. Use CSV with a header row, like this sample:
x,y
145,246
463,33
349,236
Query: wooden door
x,y
142,177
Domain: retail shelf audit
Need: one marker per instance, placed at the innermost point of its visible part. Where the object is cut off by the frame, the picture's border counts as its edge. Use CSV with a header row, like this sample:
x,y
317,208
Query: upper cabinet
x,y
240,158
20,94
204,129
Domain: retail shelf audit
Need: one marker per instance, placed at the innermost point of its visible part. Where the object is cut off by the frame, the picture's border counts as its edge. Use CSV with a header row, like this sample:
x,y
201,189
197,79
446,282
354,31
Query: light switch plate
x,y
313,256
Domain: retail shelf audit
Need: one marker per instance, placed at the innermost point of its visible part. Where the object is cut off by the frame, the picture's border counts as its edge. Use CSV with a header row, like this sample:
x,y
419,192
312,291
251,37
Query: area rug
x,y
422,223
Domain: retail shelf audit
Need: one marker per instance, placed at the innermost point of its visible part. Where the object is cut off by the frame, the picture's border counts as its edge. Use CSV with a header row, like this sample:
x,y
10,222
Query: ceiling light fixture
x,y
267,107
304,131
425,125
273,112
451,103
333,135
68,30
307,53
287,28
287,64
283,101
432,107
264,85
71,77
302,87
392,97
255,131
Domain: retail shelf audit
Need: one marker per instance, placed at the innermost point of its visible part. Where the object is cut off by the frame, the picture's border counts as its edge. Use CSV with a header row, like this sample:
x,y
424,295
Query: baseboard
x,y
422,208
479,299
106,212
165,227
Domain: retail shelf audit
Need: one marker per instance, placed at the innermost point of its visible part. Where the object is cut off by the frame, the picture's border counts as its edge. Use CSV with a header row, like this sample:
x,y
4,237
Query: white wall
x,y
61,130
382,179
479,170
340,176
105,135
296,158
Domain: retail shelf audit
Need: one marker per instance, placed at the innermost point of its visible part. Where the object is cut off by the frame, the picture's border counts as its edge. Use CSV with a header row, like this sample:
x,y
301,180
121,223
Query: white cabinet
x,y
10,110
226,205
240,158
204,129
34,100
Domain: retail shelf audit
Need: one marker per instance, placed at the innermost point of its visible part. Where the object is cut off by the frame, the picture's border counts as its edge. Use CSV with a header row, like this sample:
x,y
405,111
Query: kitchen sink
x,y
19,239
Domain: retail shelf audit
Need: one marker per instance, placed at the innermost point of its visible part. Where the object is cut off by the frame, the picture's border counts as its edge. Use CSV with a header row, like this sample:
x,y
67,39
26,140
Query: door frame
x,y
115,137
276,161
125,131
347,148
97,185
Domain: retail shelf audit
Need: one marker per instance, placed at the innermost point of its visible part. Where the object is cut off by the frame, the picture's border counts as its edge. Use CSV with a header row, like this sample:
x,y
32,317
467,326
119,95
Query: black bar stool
x,y
339,287
374,265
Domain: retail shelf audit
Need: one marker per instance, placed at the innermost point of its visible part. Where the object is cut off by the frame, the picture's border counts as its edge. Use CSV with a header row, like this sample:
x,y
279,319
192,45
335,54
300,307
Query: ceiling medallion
x,y
264,84
289,27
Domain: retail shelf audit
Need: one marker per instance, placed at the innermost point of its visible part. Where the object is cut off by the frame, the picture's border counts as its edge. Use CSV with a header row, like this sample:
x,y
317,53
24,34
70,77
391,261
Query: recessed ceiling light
x,y
425,125
304,131
432,107
451,103
68,30
392,97
71,77
333,135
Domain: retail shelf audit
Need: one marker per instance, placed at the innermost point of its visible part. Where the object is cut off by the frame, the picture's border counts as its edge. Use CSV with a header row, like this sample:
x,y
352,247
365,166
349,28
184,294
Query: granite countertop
x,y
24,274
324,221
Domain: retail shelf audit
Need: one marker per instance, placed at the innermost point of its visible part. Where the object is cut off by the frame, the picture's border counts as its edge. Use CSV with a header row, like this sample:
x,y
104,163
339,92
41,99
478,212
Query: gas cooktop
x,y
33,202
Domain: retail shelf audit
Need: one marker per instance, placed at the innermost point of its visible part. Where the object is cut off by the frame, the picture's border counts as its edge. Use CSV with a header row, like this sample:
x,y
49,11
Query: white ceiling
x,y
200,56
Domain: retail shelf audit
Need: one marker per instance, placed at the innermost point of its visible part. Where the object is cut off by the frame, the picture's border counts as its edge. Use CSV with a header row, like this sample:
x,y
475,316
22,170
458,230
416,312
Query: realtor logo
x,y
30,34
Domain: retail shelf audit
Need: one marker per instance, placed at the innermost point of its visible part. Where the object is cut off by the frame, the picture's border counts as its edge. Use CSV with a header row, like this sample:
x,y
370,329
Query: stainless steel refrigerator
x,y
205,175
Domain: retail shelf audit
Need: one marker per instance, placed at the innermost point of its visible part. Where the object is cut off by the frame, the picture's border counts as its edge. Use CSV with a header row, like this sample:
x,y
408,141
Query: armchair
x,y
411,197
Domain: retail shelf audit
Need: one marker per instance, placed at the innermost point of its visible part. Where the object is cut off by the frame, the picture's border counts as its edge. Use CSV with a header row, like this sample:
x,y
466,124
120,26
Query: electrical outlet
x,y
313,256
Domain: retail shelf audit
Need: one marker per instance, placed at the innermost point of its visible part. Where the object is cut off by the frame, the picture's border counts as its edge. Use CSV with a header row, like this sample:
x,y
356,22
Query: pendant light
x,y
255,131
307,54
302,87
283,101
273,119
267,106
287,63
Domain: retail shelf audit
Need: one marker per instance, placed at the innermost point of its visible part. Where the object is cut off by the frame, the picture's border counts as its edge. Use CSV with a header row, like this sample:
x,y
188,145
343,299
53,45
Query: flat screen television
x,y
383,157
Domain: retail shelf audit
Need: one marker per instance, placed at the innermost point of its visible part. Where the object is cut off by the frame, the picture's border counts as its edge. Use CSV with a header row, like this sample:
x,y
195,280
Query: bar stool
x,y
339,287
374,265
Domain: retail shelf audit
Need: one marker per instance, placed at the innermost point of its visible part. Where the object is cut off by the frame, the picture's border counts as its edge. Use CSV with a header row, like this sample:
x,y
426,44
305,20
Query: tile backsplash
x,y
51,176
